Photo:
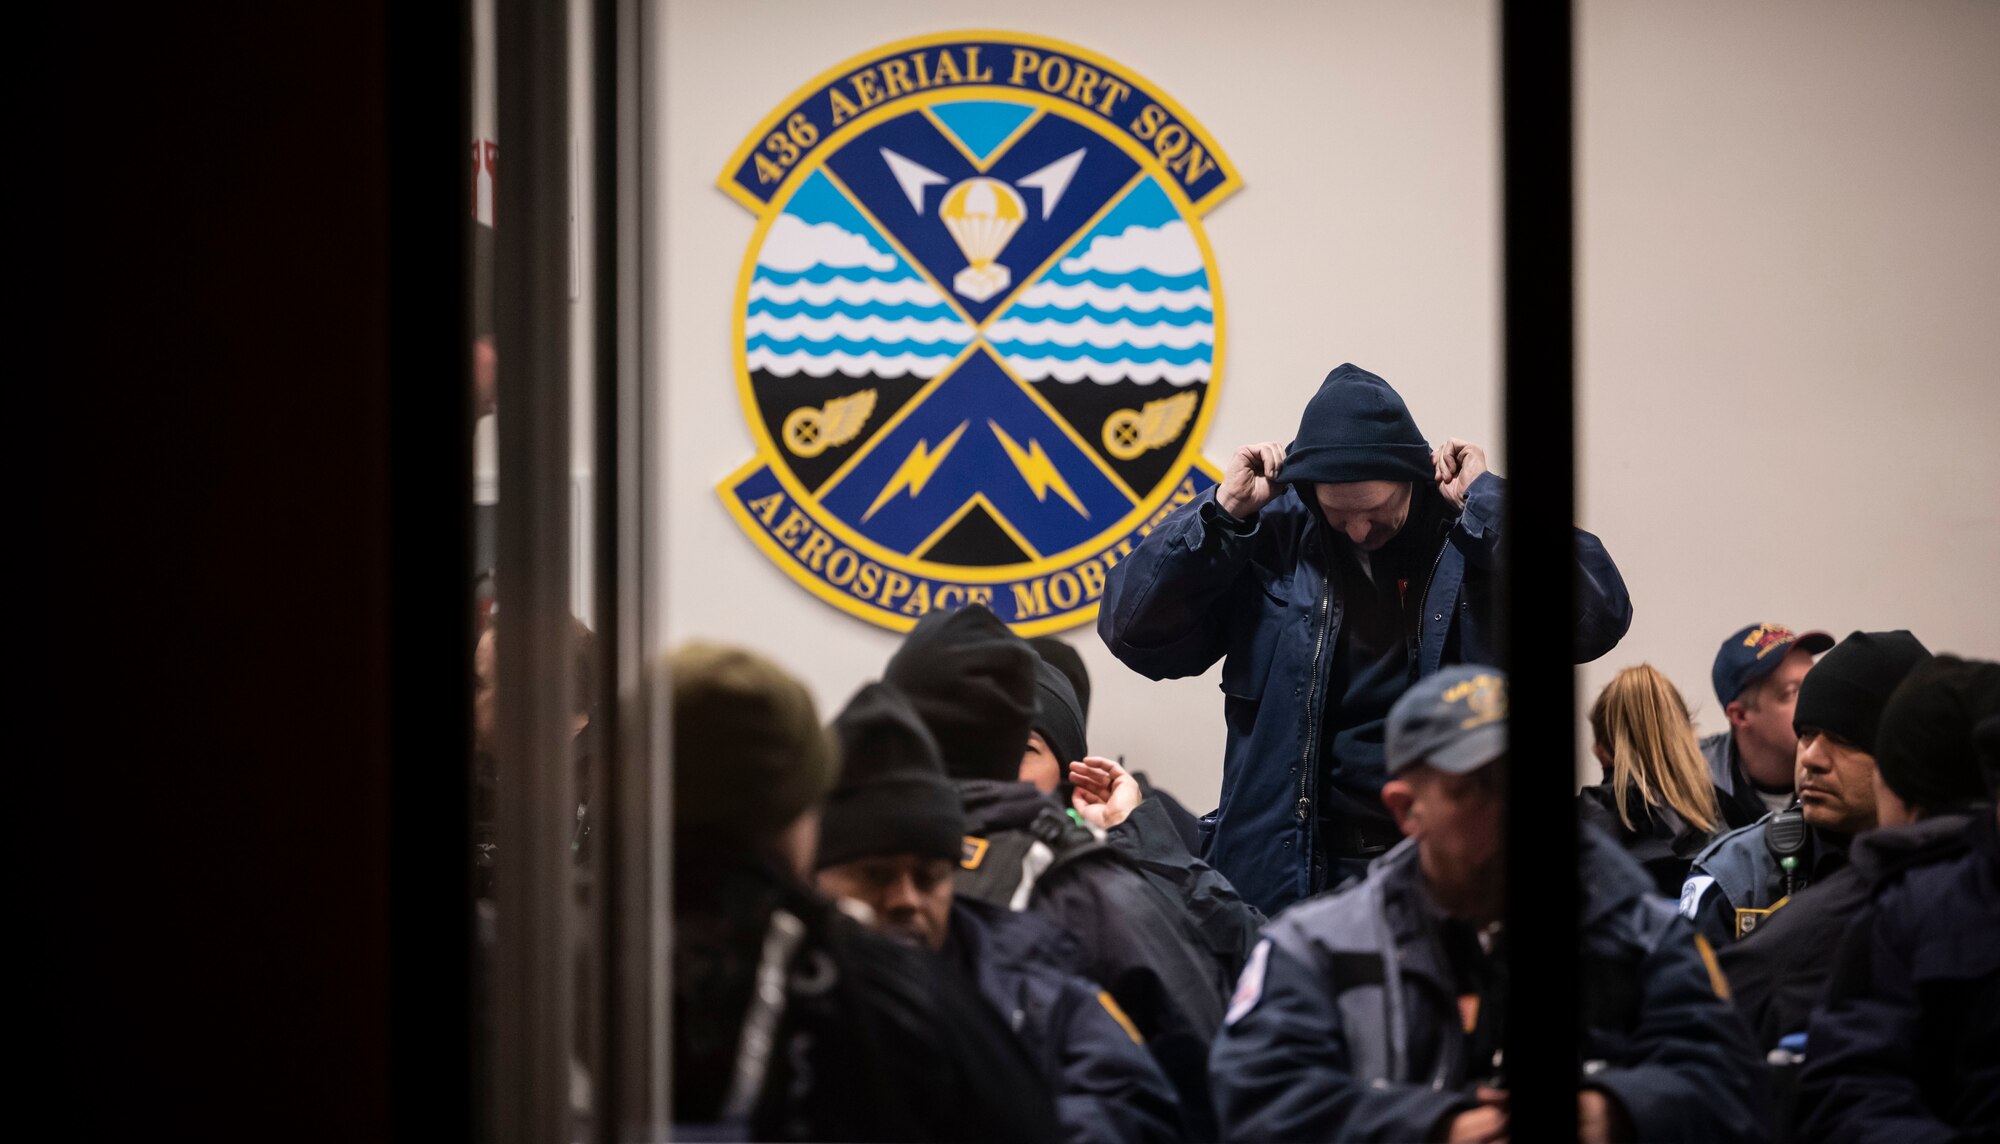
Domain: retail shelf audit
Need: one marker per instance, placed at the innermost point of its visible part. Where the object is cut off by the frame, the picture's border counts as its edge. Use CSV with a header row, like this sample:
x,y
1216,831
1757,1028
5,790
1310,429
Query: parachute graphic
x,y
982,215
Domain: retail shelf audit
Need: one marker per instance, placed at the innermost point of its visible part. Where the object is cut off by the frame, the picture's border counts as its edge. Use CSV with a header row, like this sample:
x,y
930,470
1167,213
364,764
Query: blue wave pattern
x,y
829,294
1129,301
1167,355
853,347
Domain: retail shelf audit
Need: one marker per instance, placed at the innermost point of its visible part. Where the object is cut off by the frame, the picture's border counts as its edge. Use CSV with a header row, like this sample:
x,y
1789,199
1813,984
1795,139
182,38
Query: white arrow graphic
x,y
1051,180
913,177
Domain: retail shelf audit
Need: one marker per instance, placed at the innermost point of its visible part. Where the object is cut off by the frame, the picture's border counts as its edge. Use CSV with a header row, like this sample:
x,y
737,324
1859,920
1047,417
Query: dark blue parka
x,y
1265,603
1906,1044
1346,1025
1107,1086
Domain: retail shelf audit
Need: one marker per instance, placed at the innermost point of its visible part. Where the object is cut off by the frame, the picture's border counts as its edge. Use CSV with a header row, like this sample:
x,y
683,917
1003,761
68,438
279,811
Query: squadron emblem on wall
x,y
978,329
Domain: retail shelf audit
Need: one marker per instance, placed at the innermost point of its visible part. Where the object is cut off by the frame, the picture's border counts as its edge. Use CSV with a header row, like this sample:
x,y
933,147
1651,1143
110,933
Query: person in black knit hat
x,y
1926,757
1740,878
973,683
1065,659
1051,709
892,797
1904,1043
1919,737
1055,734
890,840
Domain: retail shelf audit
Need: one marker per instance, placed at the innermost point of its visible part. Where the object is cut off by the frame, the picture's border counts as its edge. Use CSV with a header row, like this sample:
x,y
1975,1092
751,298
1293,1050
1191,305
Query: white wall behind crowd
x,y
1788,274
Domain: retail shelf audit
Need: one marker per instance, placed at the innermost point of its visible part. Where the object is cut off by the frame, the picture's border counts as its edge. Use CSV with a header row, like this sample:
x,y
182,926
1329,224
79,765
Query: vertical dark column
x,y
533,983
1537,205
430,598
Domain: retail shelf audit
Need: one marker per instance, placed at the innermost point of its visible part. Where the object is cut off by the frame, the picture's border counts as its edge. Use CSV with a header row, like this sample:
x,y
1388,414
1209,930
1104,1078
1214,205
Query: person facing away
x,y
1656,799
1328,575
1378,1011
1905,1044
1738,880
890,841
1756,675
791,1021
973,683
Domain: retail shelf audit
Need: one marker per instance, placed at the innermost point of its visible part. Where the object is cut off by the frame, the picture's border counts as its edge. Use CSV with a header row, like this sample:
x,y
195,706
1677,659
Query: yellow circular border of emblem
x,y
770,452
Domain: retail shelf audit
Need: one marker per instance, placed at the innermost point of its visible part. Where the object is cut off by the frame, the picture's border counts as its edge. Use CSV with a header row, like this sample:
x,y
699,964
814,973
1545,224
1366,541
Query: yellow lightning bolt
x,y
916,469
1037,470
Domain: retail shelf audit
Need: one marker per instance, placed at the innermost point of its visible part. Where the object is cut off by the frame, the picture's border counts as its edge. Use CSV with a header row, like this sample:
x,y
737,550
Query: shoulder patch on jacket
x,y
1250,986
1110,1004
1691,893
1747,920
972,851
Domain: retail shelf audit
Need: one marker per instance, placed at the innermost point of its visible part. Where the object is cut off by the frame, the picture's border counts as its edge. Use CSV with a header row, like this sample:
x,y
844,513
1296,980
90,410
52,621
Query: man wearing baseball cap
x,y
1757,674
1377,1012
1740,878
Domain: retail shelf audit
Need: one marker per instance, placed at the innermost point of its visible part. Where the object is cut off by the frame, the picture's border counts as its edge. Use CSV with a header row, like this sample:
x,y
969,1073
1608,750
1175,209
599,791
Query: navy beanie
x,y
1356,428
892,797
1065,659
1846,690
1058,716
1926,748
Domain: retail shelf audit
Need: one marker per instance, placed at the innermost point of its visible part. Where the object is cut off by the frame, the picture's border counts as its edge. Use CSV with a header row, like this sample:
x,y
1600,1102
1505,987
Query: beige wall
x,y
1790,321
1771,260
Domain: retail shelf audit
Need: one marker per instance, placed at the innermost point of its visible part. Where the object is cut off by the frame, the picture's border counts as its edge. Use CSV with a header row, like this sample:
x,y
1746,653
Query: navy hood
x,y
1356,428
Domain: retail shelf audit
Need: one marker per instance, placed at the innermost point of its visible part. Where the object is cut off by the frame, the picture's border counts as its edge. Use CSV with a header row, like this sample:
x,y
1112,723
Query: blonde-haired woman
x,y
1657,797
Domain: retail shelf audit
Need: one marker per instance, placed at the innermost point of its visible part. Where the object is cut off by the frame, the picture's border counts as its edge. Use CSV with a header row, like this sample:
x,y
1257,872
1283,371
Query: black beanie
x,y
1356,428
892,797
973,682
1925,749
1845,691
1065,659
1058,716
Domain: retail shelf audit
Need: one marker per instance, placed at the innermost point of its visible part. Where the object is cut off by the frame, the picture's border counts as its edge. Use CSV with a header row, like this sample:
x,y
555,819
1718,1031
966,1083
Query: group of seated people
x,y
940,917
1835,847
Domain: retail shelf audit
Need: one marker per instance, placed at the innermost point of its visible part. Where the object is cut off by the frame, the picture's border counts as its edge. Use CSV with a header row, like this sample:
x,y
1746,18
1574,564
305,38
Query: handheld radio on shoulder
x,y
1785,838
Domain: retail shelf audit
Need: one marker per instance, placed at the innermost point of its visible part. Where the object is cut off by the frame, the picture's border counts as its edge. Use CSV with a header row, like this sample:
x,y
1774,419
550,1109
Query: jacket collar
x,y
1413,919
1880,853
994,806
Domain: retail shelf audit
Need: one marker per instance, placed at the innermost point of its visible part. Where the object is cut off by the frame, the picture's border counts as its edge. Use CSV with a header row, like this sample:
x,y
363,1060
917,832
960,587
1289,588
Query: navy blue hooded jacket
x,y
1906,1044
1346,1026
1106,1084
1264,599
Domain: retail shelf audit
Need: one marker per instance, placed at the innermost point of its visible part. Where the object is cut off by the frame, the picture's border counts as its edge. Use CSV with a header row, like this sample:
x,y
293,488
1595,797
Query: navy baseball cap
x,y
1755,652
1455,721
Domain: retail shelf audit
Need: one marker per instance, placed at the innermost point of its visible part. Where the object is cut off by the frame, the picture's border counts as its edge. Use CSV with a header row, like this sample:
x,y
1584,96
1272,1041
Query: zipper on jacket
x,y
1424,601
1304,810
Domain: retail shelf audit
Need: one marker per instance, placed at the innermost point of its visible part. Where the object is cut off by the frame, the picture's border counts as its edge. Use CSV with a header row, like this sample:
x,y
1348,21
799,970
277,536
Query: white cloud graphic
x,y
1167,250
794,245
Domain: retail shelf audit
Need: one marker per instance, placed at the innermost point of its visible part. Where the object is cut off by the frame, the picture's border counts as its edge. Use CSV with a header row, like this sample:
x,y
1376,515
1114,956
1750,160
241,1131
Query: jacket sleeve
x,y
1603,606
1705,905
1227,925
1691,1072
1137,945
1111,1089
1860,1047
1159,613
1279,1068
